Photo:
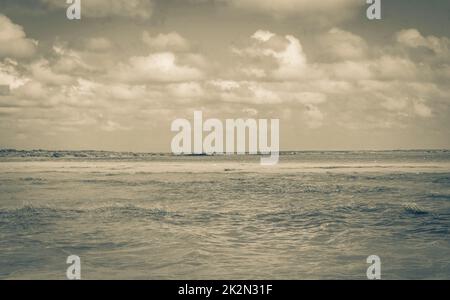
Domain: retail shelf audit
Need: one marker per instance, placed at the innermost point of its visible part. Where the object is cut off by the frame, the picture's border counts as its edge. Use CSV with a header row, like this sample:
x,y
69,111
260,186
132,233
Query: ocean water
x,y
316,215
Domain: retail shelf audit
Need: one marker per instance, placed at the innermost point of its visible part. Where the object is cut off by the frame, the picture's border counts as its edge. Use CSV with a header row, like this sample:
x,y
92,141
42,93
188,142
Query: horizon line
x,y
281,151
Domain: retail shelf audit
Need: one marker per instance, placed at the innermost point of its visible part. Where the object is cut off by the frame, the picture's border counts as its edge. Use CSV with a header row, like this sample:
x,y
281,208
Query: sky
x,y
117,78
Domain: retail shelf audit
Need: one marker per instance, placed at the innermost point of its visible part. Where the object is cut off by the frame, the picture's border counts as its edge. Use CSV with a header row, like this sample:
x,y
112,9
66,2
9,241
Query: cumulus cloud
x,y
280,57
263,35
292,60
265,93
414,39
394,104
186,90
42,72
438,47
244,92
13,41
32,90
98,44
161,42
276,70
333,79
339,44
10,76
385,67
422,110
395,68
111,126
69,61
156,67
411,38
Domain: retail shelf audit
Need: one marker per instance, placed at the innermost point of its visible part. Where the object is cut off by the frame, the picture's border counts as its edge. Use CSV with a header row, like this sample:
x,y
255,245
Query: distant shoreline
x,y
5,153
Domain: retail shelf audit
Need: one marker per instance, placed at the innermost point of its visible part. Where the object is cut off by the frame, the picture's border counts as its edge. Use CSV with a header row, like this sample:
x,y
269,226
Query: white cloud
x,y
279,57
13,41
385,67
250,111
263,35
68,61
292,61
98,44
10,76
264,93
163,42
225,85
190,90
343,45
395,68
111,126
349,70
156,67
306,98
32,90
42,72
394,104
346,85
412,38
248,92
422,110
124,92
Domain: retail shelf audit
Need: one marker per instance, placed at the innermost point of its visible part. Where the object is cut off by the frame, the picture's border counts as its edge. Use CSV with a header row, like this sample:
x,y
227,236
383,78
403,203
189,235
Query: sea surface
x,y
315,215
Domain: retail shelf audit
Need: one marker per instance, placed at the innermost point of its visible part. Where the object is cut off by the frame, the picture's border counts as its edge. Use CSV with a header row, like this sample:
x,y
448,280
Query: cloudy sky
x,y
117,78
